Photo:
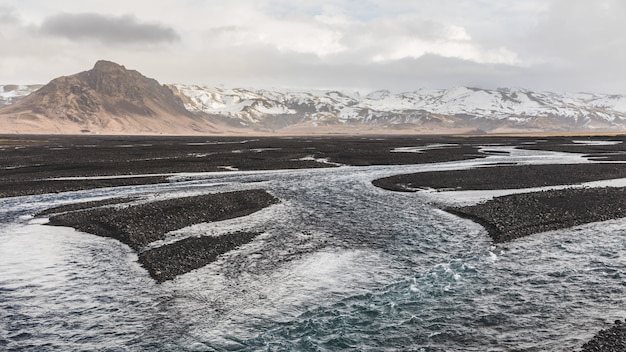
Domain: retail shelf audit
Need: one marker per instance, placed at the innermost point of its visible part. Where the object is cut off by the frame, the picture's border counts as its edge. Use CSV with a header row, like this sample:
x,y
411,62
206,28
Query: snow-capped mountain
x,y
459,107
423,110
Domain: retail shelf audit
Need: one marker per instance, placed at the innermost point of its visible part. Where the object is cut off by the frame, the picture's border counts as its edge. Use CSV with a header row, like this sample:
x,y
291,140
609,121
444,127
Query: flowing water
x,y
341,265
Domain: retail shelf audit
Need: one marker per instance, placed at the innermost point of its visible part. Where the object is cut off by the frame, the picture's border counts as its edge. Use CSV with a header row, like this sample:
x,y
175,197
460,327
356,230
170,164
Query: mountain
x,y
113,100
106,99
501,110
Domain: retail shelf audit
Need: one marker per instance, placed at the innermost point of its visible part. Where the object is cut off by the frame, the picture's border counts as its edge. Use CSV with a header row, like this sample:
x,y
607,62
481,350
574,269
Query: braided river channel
x,y
340,265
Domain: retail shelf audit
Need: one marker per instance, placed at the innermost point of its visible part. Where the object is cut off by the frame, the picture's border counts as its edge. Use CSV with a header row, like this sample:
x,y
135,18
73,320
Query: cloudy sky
x,y
400,45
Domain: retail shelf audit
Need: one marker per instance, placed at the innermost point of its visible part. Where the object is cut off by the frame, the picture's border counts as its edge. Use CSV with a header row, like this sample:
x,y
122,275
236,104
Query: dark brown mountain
x,y
108,99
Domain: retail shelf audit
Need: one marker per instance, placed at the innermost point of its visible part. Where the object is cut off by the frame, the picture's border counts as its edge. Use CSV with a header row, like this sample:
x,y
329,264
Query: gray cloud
x,y
7,15
108,29
577,33
271,68
557,45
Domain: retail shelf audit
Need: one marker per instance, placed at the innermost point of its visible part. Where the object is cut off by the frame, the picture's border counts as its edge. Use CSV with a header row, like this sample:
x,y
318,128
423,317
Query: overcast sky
x,y
400,45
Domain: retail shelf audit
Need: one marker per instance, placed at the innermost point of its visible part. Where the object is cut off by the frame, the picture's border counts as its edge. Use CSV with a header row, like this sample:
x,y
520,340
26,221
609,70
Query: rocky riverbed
x,y
41,165
170,260
141,224
518,215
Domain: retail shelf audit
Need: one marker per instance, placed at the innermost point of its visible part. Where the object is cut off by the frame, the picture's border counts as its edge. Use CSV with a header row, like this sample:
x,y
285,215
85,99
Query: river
x,y
341,265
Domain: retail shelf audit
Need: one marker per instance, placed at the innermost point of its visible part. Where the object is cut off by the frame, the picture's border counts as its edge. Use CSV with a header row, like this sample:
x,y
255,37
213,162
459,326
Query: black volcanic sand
x,y
142,224
503,177
514,216
27,163
612,339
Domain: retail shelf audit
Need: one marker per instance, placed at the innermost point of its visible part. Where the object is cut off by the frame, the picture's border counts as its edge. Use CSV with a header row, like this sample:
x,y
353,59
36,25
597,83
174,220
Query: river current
x,y
341,265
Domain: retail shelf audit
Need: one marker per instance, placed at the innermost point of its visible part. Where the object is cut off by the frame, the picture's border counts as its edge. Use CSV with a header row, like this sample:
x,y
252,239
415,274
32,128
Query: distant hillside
x,y
110,99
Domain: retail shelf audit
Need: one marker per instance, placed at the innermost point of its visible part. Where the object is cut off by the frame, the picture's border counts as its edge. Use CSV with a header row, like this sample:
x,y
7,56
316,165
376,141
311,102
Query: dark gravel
x,y
15,188
27,163
514,216
140,225
166,262
503,177
612,339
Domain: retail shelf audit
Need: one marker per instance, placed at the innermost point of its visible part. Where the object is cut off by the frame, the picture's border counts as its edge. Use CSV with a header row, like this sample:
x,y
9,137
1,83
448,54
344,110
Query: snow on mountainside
x,y
11,93
457,107
423,109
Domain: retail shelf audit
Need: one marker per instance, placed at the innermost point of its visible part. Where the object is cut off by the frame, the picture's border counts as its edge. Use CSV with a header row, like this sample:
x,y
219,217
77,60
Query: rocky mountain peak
x,y
115,80
108,66
94,100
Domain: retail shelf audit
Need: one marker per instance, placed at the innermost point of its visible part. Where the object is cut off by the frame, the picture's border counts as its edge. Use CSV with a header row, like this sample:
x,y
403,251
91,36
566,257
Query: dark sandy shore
x,y
142,224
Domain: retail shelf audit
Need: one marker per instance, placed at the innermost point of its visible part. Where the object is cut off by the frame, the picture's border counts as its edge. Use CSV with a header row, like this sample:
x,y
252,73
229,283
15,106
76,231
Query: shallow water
x,y
341,265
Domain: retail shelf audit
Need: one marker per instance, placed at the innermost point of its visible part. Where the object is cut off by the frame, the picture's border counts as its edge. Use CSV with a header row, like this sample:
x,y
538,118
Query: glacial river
x,y
341,265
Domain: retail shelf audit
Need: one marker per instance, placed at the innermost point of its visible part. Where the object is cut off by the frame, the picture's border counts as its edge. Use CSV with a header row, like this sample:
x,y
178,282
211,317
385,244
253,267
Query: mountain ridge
x,y
462,107
114,100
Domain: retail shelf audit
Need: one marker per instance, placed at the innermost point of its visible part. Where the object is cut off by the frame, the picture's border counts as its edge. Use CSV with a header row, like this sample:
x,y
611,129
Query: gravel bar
x,y
518,215
503,177
142,224
166,262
